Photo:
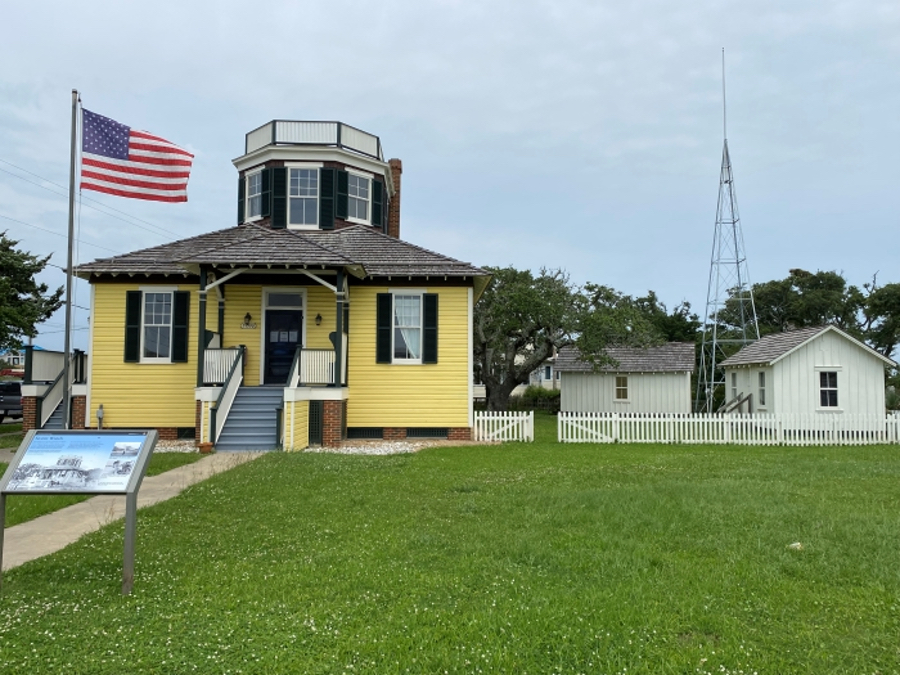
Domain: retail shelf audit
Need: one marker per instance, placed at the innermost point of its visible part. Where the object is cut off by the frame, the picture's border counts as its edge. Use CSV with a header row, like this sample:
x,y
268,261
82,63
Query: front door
x,y
283,331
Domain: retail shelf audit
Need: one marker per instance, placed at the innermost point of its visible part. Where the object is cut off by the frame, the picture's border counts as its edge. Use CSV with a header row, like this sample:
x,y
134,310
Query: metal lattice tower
x,y
730,321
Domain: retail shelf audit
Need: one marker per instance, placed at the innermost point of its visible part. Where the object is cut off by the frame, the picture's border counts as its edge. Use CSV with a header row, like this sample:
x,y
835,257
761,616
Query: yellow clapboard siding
x,y
138,394
319,300
239,301
388,395
296,425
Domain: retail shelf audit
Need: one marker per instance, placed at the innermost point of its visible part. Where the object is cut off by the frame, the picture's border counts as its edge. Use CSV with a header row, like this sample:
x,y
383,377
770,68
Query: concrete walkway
x,y
48,534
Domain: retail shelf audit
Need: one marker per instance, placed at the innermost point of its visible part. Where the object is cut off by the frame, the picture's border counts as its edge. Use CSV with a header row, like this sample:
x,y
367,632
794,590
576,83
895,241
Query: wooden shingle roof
x,y
378,255
776,346
672,357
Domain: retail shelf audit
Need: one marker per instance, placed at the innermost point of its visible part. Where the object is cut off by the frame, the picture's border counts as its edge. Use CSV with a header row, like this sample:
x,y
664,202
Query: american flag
x,y
118,160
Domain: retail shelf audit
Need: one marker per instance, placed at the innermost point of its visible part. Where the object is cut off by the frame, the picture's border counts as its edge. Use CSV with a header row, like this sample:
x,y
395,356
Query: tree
x,y
801,300
521,319
608,318
518,323
24,303
882,316
681,325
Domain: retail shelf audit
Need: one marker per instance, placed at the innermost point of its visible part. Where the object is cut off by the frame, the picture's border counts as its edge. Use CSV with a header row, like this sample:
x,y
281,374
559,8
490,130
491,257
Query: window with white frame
x,y
828,389
548,372
734,386
408,328
762,388
303,197
621,387
254,195
157,327
358,197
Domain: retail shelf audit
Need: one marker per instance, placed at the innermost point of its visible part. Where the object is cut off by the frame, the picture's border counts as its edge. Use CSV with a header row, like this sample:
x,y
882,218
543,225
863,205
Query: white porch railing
x,y
45,365
316,367
217,364
757,429
504,426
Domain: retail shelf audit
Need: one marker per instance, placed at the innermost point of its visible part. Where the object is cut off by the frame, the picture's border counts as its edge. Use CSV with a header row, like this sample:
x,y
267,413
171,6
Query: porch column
x,y
339,331
220,294
201,328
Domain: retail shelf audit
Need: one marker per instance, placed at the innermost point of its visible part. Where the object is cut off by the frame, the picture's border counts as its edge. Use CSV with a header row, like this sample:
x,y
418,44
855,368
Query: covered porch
x,y
281,332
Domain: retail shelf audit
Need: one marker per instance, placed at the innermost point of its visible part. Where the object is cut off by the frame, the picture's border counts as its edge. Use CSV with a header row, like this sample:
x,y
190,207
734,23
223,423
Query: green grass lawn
x,y
520,558
21,508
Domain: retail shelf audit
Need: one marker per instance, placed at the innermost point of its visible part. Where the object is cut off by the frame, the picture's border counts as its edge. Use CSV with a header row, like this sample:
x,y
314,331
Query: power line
x,y
133,220
57,234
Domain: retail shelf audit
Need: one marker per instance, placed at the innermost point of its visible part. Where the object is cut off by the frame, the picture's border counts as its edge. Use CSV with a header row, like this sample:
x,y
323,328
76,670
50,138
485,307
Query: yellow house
x,y
309,322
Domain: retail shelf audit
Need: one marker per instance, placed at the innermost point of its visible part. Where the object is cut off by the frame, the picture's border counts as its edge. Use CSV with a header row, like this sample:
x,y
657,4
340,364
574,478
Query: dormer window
x,y
358,197
254,195
303,197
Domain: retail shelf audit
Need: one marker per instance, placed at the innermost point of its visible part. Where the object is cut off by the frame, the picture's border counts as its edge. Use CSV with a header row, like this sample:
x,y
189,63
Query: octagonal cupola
x,y
317,176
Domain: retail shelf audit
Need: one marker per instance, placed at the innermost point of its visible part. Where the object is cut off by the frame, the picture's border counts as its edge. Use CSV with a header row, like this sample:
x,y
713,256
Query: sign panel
x,y
78,462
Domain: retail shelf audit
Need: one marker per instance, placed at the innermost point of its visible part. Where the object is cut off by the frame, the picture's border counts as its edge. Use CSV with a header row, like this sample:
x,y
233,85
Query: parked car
x,y
10,399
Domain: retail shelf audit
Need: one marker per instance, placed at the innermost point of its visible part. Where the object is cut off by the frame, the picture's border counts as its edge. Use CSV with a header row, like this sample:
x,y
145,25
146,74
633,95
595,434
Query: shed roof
x,y
672,357
772,348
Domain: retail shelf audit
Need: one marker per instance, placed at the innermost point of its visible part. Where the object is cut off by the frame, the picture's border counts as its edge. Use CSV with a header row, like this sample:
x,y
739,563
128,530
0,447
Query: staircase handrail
x,y
736,402
230,387
293,380
41,401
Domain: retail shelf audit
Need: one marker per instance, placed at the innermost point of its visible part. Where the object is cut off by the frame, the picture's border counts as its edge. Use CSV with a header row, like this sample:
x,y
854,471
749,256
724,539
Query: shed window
x,y
828,391
762,388
621,387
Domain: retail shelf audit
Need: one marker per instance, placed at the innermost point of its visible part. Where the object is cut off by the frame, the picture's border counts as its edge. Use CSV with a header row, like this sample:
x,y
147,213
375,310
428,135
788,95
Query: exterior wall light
x,y
318,319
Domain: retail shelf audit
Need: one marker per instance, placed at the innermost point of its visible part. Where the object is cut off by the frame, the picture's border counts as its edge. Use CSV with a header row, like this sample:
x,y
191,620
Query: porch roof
x,y
377,254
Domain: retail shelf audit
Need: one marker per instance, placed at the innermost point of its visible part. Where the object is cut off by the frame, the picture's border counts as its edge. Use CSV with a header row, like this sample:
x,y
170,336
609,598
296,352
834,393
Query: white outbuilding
x,y
652,380
819,370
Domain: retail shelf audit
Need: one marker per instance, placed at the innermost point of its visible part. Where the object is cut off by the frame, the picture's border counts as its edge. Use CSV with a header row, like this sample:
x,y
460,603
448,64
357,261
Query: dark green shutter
x,y
265,194
241,190
133,326
340,210
430,325
181,303
383,321
326,199
377,203
279,198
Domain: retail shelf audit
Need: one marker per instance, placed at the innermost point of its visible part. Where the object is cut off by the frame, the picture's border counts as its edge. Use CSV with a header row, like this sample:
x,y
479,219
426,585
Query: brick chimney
x,y
394,207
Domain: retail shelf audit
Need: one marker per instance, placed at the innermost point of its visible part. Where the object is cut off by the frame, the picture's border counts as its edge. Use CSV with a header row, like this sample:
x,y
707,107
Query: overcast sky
x,y
578,135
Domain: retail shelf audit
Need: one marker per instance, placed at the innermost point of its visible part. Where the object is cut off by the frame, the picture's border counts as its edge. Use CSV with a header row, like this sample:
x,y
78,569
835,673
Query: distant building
x,y
652,380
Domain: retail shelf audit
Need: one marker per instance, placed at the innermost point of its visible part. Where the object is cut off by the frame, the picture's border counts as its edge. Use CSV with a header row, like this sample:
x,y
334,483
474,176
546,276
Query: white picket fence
x,y
737,429
504,426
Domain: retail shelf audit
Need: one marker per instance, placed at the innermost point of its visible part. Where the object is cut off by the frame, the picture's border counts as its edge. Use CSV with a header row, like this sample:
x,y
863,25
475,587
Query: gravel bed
x,y
375,447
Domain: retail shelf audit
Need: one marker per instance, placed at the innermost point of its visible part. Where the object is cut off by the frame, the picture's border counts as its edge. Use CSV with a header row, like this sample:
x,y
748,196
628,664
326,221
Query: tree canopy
x,y
522,319
24,302
804,299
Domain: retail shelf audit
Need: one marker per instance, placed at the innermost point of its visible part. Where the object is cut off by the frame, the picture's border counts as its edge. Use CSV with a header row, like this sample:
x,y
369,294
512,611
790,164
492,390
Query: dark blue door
x,y
283,332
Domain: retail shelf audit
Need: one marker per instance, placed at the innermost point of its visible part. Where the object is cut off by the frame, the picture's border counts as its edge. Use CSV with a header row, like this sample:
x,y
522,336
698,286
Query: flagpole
x,y
67,418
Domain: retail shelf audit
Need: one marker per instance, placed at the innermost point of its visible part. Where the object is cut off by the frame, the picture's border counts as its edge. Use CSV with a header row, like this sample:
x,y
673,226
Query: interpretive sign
x,y
77,463
91,462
